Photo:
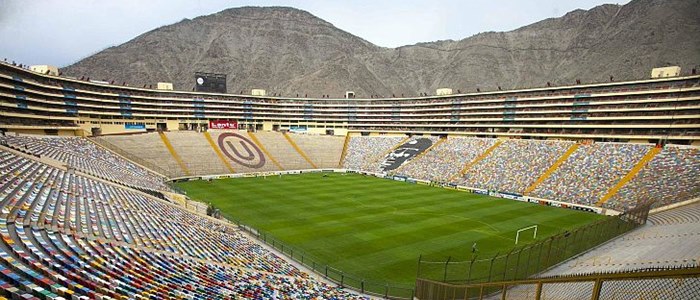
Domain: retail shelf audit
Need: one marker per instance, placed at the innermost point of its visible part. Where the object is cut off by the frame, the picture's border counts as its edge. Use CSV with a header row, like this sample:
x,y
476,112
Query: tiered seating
x,y
689,214
606,109
408,143
324,150
85,156
583,178
282,151
663,242
364,151
590,172
514,165
251,166
672,176
446,159
148,147
668,240
196,153
200,159
66,235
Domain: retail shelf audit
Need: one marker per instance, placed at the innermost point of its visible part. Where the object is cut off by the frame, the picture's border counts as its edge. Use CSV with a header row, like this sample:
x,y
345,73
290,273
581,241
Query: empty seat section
x,y
65,235
196,153
364,152
447,159
277,145
323,150
149,147
590,172
671,176
514,165
242,152
83,155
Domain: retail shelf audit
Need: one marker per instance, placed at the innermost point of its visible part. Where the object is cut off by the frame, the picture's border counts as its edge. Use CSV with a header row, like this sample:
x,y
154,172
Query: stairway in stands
x,y
218,152
468,166
630,175
551,169
174,154
298,150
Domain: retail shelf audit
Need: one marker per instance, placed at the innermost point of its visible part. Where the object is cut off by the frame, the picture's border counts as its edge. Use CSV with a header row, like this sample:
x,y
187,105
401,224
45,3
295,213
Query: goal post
x,y
517,234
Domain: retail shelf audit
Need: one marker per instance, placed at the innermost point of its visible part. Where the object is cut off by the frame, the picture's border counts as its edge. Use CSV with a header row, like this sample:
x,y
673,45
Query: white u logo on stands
x,y
250,155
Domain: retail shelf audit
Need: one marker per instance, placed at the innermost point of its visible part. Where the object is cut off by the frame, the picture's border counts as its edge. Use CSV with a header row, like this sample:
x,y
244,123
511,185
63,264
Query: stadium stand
x,y
364,152
194,150
176,156
323,150
200,159
85,156
146,146
66,235
650,109
672,176
444,161
514,165
378,152
278,147
663,242
407,149
251,157
590,172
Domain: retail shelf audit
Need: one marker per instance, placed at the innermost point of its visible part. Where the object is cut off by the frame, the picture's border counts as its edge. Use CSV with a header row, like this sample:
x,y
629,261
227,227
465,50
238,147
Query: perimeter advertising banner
x,y
223,124
400,178
480,191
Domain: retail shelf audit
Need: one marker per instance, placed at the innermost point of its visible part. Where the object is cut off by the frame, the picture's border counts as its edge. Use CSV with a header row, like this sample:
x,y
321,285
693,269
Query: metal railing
x,y
521,262
658,283
354,282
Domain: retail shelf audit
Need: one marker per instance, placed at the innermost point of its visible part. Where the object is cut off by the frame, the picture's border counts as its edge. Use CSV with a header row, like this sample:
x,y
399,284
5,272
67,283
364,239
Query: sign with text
x,y
223,124
134,126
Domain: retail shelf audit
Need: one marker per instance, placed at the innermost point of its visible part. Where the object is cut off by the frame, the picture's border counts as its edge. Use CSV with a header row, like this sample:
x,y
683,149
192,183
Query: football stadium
x,y
588,190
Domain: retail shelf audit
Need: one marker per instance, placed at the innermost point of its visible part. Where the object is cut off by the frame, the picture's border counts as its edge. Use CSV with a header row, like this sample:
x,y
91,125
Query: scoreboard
x,y
209,82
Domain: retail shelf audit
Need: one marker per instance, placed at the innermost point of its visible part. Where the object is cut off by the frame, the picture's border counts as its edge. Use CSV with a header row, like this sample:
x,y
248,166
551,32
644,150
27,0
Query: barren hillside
x,y
290,51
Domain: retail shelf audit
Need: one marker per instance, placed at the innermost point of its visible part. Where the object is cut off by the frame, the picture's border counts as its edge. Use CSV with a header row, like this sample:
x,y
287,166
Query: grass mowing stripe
x,y
375,228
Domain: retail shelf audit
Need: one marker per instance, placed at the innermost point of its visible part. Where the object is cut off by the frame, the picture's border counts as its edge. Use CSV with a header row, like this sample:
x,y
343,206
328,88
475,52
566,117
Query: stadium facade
x,y
96,218
650,110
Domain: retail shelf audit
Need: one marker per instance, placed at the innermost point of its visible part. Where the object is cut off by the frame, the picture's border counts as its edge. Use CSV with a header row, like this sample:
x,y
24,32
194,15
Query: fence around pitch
x,y
522,262
385,290
658,283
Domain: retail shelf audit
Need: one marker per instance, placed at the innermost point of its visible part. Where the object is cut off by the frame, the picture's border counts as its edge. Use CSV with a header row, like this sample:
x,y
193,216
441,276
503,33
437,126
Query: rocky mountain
x,y
289,51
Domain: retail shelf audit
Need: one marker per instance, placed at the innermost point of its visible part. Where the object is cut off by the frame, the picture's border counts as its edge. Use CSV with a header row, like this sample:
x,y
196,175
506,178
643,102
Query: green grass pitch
x,y
376,228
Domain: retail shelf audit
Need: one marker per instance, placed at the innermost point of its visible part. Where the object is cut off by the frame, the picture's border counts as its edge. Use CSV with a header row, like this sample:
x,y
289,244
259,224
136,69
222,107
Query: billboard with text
x,y
223,124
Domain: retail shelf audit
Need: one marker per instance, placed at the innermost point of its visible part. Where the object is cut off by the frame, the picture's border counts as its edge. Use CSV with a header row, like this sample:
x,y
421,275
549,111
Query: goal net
x,y
534,234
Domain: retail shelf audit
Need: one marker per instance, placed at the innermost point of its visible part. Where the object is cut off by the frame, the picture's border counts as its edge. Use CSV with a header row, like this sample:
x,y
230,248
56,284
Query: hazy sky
x,y
60,32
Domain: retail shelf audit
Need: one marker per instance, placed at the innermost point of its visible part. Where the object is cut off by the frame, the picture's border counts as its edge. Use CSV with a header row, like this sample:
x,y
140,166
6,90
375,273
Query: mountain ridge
x,y
288,51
